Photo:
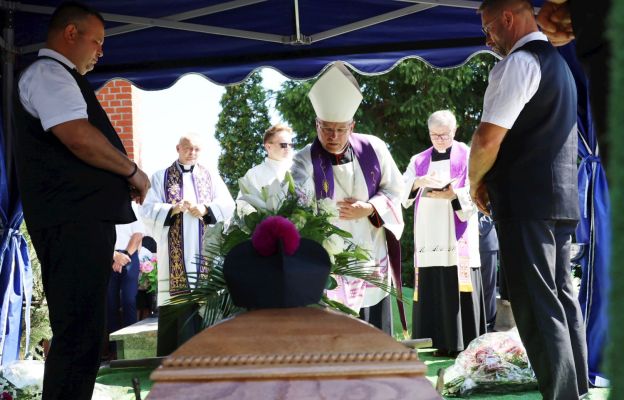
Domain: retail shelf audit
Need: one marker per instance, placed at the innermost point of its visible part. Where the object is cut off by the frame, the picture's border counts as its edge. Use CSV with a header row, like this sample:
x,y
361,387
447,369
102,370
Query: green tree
x,y
240,129
395,107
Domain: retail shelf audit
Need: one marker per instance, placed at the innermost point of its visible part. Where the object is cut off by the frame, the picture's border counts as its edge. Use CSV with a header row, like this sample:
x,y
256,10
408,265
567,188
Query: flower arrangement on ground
x,y
495,362
312,221
148,275
21,380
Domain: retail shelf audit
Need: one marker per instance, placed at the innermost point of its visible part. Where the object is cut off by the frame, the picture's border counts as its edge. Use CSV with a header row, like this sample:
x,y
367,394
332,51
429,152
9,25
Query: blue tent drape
x,y
594,228
15,269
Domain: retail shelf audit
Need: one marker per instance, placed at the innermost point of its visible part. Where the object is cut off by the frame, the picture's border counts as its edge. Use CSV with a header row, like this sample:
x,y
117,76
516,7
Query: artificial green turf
x,y
122,377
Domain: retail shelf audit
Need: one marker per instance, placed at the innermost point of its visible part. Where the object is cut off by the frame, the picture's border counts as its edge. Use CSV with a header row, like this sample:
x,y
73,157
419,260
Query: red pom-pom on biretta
x,y
266,235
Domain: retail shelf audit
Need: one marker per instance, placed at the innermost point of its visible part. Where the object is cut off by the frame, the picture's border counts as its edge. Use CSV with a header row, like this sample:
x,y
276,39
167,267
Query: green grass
x,y
122,378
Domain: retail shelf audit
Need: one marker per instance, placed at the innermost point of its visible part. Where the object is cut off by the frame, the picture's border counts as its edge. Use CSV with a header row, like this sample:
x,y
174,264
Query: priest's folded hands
x,y
196,210
350,208
180,207
447,193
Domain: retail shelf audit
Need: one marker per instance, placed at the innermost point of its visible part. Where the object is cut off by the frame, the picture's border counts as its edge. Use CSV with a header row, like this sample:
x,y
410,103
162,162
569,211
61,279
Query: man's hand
x,y
554,19
354,209
139,185
428,180
117,267
180,207
198,210
119,261
480,197
447,193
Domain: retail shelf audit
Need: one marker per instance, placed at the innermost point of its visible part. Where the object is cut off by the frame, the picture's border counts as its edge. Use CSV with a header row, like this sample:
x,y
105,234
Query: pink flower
x,y
6,396
146,267
266,235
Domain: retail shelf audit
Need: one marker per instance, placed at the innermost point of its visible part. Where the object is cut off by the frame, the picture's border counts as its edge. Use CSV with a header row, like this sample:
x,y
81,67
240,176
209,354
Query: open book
x,y
441,185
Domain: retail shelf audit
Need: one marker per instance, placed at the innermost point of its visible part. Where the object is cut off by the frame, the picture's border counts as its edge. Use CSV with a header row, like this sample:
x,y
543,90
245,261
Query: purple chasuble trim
x,y
459,152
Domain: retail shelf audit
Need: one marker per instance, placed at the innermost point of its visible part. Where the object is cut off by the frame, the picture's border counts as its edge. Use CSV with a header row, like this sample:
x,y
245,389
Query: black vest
x,y
535,175
56,187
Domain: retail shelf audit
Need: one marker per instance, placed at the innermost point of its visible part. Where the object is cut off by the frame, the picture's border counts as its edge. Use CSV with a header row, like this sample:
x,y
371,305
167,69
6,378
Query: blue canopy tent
x,y
153,42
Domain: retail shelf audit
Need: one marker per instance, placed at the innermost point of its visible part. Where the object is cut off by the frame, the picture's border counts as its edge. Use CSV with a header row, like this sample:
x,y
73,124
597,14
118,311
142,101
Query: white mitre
x,y
336,95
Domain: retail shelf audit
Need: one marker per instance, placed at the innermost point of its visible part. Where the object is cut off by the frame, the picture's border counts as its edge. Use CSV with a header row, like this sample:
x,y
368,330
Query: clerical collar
x,y
186,168
438,156
343,158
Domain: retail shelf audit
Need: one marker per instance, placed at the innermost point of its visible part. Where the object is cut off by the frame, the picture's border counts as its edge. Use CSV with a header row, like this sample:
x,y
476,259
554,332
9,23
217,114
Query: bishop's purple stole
x,y
369,163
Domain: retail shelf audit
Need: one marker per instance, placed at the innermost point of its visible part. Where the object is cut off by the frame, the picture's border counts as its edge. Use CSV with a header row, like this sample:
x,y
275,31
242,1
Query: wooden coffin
x,y
295,353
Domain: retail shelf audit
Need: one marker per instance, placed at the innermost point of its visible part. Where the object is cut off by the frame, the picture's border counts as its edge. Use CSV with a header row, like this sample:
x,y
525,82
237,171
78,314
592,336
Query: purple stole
x,y
174,193
459,154
369,163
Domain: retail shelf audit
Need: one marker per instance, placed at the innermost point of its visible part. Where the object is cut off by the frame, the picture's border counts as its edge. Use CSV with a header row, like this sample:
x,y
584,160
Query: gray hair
x,y
192,137
443,118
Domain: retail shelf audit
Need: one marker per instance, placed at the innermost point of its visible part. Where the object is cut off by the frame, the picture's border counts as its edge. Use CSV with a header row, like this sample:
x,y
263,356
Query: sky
x,y
191,105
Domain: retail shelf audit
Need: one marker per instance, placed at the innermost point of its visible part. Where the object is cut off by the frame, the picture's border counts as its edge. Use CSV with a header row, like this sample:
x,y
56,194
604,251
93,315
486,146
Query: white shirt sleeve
x,y
49,92
512,83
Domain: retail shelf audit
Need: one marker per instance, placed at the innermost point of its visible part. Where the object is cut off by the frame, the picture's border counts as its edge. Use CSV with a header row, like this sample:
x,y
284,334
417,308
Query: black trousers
x,y
536,260
489,263
76,260
379,315
177,323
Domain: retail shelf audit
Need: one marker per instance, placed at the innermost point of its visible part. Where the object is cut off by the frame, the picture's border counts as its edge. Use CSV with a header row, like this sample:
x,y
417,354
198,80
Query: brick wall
x,y
116,99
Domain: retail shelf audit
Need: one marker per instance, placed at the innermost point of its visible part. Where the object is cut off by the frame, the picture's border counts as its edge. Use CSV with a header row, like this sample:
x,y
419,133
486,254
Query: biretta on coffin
x,y
336,95
278,280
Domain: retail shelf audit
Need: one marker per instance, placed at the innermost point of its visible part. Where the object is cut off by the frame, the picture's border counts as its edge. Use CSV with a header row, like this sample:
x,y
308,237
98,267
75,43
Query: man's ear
x,y
508,18
70,33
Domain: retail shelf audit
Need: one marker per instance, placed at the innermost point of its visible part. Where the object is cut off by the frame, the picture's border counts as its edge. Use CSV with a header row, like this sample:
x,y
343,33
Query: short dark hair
x,y
71,12
499,5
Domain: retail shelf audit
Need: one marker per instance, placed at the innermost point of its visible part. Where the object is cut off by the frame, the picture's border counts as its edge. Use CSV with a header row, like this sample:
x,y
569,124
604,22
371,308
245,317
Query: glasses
x,y
285,145
339,131
444,136
486,28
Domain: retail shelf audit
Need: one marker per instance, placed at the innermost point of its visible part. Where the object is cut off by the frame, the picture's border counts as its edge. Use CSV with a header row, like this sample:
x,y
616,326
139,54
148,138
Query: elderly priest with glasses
x,y
357,173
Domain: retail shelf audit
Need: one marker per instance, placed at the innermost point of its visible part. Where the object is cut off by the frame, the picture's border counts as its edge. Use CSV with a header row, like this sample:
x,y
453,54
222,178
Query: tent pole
x,y
8,62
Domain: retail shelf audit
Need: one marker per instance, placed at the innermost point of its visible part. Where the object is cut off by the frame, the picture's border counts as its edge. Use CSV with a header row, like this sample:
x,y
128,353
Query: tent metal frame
x,y
176,21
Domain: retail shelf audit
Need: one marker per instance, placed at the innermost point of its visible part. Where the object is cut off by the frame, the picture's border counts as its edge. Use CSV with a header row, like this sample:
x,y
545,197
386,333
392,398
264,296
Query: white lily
x,y
268,198
334,244
252,195
328,206
276,192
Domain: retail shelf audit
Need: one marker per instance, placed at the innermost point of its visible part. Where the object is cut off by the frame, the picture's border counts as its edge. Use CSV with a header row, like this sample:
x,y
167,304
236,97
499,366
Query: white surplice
x,y
435,244
154,212
261,175
349,182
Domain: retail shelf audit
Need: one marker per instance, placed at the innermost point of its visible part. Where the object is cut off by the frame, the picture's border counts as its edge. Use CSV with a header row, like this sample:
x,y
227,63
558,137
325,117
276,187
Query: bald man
x,y
184,199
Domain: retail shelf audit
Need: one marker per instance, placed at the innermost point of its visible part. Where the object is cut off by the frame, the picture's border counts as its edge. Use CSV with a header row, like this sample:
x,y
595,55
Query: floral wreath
x,y
311,220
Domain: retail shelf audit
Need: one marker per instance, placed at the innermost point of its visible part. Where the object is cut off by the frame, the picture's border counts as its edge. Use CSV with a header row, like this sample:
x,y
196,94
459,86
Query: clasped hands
x,y
196,210
120,260
351,208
